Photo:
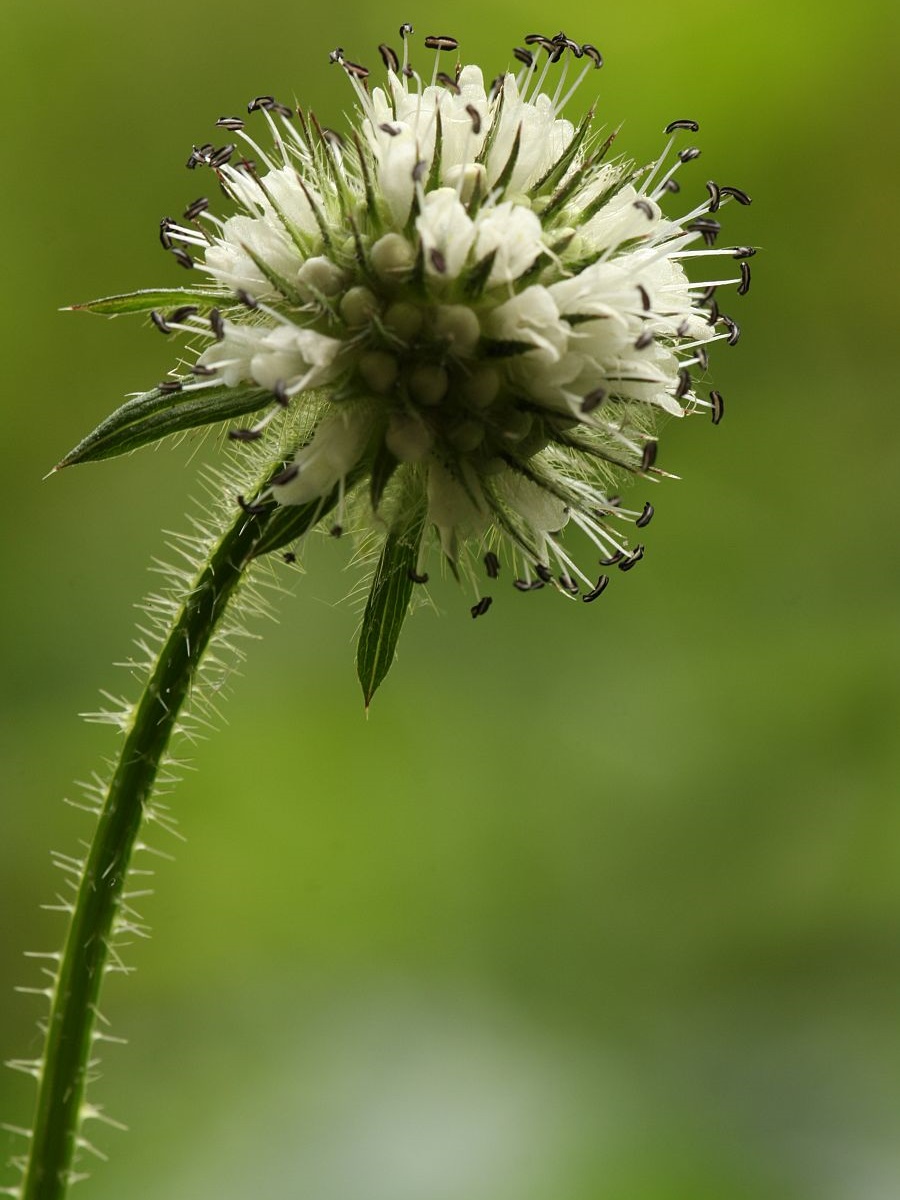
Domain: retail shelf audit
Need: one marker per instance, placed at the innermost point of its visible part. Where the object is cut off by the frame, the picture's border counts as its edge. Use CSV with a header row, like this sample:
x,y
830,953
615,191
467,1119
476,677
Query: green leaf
x,y
388,601
383,467
150,298
156,414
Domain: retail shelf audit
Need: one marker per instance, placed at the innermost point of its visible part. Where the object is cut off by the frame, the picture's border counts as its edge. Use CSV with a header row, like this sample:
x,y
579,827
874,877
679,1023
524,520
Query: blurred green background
x,y
600,903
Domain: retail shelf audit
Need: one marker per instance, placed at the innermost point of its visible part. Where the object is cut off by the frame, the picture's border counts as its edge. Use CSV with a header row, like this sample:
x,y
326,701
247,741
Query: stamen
x,y
744,286
441,43
593,400
201,204
479,609
646,516
415,577
389,58
598,589
648,458
633,559
232,124
673,125
739,195
491,564
718,407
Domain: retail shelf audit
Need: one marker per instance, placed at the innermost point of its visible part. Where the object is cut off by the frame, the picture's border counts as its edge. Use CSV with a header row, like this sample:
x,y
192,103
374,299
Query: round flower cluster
x,y
483,310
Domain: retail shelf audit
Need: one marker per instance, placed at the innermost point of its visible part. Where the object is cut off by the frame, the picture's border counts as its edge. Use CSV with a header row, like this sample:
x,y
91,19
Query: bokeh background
x,y
601,902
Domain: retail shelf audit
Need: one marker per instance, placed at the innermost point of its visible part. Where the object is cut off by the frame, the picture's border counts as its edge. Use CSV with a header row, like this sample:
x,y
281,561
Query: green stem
x,y
70,1033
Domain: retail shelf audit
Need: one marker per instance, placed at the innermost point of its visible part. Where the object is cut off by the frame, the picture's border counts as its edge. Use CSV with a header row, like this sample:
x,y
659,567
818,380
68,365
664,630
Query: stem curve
x,y
56,1137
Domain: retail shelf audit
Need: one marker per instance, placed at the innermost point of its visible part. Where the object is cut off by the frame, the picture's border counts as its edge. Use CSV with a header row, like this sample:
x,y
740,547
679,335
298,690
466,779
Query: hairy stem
x,y
70,1038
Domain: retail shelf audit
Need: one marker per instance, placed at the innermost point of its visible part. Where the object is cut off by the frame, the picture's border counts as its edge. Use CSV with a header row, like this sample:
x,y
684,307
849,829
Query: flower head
x,y
483,312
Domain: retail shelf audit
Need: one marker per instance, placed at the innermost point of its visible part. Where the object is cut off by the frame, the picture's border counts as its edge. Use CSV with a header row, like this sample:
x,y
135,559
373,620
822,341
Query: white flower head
x,y
492,310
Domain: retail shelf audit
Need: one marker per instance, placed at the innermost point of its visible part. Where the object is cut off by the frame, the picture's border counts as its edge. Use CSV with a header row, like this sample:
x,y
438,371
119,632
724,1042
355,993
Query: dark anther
x,y
703,225
633,559
246,299
538,39
285,476
181,314
644,340
734,330
593,54
684,384
613,559
707,295
336,531
646,208
289,556
160,322
216,323
245,435
248,165
683,328
390,130
543,573
441,43
739,194
568,584
568,44
492,564
194,210
332,137
182,257
673,125
408,72
355,69
279,391
718,407
593,400
260,102
646,516
389,57
232,124
448,82
336,55
202,371
645,297
702,357
672,185
252,510
689,153
713,317
200,155
475,117
524,56
438,261
168,387
164,226
406,30
496,86
597,590
418,172
744,285
479,609
555,50
415,577
527,585
743,252
648,458
283,110
715,195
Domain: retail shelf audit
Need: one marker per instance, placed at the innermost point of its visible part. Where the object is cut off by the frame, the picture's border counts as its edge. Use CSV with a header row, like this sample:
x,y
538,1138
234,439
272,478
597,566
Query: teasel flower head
x,y
478,313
